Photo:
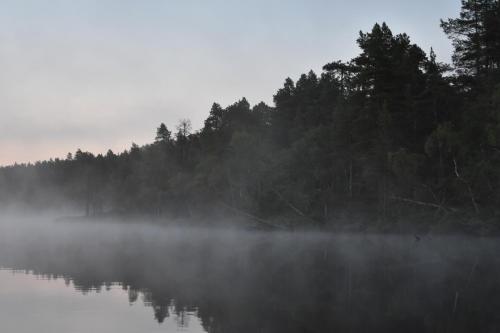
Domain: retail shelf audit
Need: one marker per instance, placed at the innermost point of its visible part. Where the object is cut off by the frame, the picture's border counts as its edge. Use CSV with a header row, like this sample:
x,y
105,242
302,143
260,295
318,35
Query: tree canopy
x,y
392,133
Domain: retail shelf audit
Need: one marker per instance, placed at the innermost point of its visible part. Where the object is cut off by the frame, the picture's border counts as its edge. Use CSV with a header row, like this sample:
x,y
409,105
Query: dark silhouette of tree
x,y
476,37
389,134
162,134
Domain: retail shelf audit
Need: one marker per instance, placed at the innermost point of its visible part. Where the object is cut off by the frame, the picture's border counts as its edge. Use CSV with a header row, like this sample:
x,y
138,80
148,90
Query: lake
x,y
136,277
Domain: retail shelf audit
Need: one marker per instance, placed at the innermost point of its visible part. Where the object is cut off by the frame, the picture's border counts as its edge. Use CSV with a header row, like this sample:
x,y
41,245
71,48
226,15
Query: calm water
x,y
35,304
75,277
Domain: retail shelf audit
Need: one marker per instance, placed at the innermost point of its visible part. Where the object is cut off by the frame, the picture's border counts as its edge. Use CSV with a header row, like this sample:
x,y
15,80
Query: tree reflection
x,y
271,282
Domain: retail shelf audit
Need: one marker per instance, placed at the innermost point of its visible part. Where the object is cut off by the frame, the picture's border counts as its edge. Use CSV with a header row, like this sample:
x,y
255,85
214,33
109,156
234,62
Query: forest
x,y
388,139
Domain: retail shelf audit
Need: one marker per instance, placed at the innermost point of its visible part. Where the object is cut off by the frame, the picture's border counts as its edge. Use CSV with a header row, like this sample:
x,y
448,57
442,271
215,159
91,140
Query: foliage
x,y
385,133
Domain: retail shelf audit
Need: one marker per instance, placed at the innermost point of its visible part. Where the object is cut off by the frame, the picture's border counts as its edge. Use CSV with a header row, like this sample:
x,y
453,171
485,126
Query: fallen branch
x,y
469,188
423,203
253,217
291,206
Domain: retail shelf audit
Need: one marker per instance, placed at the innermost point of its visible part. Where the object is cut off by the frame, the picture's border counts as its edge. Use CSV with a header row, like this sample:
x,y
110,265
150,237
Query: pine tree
x,y
476,36
163,134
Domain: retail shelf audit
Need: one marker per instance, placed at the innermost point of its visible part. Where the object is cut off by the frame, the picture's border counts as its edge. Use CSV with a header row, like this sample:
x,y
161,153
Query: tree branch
x,y
422,203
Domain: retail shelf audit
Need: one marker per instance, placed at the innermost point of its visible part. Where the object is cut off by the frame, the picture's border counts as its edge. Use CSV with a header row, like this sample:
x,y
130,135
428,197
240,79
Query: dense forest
x,y
388,137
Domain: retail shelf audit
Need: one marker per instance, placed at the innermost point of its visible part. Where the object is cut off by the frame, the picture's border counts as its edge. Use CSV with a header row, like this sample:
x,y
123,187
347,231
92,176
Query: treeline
x,y
389,134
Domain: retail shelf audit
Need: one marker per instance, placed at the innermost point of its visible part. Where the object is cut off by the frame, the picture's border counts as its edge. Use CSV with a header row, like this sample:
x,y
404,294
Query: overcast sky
x,y
99,74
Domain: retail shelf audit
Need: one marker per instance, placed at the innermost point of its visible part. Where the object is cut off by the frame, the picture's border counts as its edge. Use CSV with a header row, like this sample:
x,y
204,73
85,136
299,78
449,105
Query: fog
x,y
238,280
359,196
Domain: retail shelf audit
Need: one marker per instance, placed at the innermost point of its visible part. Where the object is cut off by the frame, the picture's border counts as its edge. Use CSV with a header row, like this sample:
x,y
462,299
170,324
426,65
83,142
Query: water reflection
x,y
30,303
270,282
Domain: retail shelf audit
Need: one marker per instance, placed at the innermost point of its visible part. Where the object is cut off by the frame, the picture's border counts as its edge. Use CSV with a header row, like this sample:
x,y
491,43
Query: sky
x,y
101,74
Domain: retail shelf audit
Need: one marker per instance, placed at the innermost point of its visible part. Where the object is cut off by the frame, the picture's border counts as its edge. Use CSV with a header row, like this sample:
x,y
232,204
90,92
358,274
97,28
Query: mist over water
x,y
220,280
360,198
